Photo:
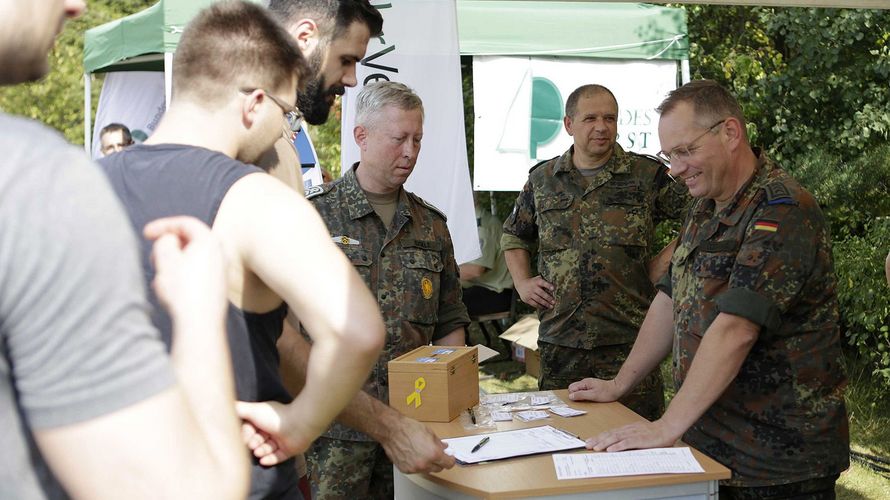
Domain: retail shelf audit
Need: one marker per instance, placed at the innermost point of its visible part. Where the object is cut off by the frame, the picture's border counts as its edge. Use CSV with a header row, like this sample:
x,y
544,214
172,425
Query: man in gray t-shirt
x,y
90,405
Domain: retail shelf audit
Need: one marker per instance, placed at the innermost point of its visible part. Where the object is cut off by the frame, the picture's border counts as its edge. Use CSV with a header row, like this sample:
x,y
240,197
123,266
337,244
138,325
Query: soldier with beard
x,y
333,37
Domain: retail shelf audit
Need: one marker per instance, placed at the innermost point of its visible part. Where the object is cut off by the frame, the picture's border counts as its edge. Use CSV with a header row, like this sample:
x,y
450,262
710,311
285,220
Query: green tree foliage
x,y
813,84
865,298
808,79
57,100
326,139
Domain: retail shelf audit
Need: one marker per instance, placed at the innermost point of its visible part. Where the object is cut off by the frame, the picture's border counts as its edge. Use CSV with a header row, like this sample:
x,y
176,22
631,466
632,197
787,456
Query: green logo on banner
x,y
546,114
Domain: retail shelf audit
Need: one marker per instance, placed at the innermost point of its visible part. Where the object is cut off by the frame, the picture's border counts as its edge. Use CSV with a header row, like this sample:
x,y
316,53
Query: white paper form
x,y
626,463
507,444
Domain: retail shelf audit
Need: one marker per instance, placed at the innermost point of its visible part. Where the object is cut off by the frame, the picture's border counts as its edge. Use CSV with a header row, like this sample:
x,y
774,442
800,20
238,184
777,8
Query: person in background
x,y
591,214
114,137
486,281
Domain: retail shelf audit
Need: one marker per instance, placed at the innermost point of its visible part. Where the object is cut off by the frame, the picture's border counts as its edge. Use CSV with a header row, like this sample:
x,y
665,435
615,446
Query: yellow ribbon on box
x,y
414,397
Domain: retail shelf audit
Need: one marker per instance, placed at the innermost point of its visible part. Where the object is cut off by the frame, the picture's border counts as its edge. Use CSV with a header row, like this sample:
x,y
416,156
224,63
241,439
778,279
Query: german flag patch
x,y
766,225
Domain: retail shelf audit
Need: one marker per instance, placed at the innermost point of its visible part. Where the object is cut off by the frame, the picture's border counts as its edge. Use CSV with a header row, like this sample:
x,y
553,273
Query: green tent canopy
x,y
139,41
574,29
486,27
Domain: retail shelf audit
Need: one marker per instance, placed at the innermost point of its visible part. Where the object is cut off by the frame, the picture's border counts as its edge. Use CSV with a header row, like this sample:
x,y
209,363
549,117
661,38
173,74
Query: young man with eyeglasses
x,y
333,36
235,78
750,307
591,214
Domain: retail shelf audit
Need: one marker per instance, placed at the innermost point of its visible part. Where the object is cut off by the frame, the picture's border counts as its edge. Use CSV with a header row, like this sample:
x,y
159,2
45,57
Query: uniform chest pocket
x,y
556,222
713,265
360,259
627,217
421,279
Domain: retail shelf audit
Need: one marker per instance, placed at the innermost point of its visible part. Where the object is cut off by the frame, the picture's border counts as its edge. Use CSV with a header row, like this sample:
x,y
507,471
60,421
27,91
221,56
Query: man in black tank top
x,y
234,81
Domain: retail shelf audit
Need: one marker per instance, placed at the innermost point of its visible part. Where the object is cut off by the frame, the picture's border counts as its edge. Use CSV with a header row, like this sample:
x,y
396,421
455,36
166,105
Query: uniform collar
x,y
358,203
732,213
618,163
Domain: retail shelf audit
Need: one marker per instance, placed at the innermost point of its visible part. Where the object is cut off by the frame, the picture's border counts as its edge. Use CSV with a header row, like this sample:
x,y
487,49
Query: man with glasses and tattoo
x,y
235,78
750,307
591,214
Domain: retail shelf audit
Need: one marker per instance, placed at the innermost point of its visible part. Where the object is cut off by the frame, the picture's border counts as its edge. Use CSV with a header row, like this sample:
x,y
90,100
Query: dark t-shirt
x,y
168,179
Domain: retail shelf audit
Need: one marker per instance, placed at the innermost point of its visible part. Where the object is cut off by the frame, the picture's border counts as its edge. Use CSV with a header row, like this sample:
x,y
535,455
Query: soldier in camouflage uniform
x,y
592,214
751,291
401,247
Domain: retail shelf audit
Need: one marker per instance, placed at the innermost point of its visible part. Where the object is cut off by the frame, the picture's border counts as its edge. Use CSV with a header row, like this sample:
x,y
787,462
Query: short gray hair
x,y
376,96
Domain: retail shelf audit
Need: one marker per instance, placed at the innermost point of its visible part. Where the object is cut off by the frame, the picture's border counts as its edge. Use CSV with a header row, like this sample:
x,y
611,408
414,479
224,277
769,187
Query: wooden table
x,y
535,476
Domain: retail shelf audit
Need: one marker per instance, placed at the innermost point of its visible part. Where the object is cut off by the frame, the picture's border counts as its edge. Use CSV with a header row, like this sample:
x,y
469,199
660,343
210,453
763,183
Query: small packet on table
x,y
565,411
502,416
528,416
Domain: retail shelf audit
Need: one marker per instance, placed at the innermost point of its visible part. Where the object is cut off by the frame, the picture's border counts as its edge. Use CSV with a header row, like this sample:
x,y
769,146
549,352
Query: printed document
x,y
507,444
626,463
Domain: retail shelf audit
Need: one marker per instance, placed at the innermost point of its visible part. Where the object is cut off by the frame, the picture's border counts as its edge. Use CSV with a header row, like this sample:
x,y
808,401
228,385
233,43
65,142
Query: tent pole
x,y
684,70
87,114
168,77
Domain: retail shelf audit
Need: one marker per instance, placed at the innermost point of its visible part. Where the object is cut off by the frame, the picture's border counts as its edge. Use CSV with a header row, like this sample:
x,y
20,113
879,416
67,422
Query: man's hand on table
x,y
635,436
413,447
596,390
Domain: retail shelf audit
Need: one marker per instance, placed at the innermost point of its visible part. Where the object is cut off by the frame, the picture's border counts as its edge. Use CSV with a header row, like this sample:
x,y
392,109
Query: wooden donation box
x,y
434,383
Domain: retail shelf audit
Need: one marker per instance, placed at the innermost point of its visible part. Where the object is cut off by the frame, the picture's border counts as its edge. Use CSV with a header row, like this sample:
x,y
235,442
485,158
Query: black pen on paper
x,y
480,444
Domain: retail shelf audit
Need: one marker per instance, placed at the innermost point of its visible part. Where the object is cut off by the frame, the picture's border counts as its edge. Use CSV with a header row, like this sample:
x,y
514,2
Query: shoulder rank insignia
x,y
536,165
777,194
346,240
429,205
649,157
313,192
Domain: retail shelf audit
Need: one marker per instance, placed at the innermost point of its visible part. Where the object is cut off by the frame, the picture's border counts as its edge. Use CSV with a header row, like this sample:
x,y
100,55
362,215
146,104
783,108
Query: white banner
x,y
520,102
419,48
133,98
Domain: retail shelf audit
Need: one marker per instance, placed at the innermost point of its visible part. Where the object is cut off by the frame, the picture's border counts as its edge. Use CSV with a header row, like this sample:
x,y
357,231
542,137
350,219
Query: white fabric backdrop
x,y
502,95
134,98
419,48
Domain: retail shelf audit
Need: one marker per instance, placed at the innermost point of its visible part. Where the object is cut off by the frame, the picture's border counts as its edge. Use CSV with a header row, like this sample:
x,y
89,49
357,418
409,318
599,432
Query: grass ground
x,y
868,408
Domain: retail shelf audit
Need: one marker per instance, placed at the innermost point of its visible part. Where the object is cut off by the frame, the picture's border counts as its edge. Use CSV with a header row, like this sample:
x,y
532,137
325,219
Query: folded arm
x,y
282,240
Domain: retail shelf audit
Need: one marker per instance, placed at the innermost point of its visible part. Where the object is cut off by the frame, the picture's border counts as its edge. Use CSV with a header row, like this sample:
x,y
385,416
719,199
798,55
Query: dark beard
x,y
312,102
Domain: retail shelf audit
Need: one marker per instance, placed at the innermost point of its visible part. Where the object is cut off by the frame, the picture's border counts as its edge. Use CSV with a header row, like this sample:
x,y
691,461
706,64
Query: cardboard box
x,y
434,383
523,336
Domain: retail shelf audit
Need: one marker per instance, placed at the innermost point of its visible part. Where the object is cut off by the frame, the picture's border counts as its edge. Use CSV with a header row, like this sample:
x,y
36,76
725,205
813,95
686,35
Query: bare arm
x,y
723,349
182,442
533,290
410,445
268,223
471,271
661,262
652,345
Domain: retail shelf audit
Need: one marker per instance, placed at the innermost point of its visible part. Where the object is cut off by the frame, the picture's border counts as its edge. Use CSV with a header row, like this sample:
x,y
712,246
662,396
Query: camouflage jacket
x,y
409,268
595,238
765,257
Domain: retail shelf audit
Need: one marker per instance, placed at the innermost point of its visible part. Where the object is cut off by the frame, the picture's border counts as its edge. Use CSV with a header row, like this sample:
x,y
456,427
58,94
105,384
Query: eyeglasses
x,y
684,152
291,113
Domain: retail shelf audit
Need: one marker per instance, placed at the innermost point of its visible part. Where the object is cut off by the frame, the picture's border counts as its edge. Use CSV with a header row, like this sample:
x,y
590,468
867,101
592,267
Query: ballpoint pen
x,y
480,444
